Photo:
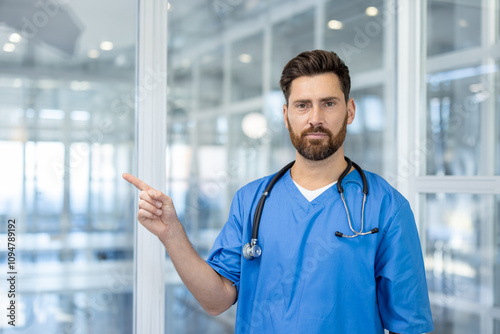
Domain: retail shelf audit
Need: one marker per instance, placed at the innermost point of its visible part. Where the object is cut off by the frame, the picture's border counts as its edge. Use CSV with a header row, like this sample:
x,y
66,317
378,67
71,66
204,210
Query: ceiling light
x,y
79,85
51,114
463,23
30,113
9,47
245,58
121,60
93,54
207,59
186,63
476,88
15,38
335,25
254,125
106,45
371,11
17,83
46,84
80,115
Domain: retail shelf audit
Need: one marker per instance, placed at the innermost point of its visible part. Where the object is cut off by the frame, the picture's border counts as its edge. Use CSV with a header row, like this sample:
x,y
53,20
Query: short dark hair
x,y
315,62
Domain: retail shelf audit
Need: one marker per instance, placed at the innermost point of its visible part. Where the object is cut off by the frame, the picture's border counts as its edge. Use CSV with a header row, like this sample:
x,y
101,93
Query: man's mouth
x,y
316,135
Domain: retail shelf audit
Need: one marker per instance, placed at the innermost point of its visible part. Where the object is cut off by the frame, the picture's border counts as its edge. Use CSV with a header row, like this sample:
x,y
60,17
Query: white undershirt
x,y
310,195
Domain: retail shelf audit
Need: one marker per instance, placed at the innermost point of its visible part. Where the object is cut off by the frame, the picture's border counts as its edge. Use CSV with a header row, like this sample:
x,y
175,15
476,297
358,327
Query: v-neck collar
x,y
329,194
300,199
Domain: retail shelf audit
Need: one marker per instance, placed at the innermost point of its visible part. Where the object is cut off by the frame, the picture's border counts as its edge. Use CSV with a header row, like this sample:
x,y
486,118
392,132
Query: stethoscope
x,y
252,250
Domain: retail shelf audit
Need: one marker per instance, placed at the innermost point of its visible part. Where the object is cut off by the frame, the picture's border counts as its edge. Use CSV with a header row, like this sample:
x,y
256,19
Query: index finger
x,y
139,184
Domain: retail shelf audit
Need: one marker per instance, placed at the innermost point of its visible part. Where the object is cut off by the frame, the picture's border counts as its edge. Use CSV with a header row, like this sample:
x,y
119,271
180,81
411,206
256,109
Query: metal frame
x,y
151,141
412,66
409,101
487,184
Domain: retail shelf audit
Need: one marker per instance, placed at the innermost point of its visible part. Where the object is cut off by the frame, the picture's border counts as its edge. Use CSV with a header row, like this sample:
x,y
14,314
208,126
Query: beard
x,y
318,149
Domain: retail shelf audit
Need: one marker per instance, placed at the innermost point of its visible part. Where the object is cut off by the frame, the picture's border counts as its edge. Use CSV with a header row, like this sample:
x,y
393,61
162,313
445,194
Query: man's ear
x,y
351,110
285,115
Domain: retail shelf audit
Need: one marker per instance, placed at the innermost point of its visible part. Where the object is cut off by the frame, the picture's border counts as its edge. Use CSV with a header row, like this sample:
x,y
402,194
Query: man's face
x,y
317,115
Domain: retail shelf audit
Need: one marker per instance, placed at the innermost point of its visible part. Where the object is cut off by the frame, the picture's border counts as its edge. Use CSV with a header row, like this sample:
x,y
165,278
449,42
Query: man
x,y
308,279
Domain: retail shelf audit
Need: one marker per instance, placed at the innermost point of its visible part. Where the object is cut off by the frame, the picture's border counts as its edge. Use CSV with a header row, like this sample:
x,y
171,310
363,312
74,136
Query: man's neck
x,y
313,175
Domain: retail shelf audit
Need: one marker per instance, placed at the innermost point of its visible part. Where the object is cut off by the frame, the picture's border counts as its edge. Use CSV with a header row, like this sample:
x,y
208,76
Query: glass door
x,y
66,134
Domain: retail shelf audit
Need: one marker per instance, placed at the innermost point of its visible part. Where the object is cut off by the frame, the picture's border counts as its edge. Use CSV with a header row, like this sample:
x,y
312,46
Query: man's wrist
x,y
173,232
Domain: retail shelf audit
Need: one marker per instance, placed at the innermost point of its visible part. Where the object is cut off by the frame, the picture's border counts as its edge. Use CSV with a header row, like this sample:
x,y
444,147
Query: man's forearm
x,y
157,213
214,292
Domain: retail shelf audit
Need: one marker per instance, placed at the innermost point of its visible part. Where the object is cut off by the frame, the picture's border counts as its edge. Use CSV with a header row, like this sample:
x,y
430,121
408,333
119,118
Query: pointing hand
x,y
156,210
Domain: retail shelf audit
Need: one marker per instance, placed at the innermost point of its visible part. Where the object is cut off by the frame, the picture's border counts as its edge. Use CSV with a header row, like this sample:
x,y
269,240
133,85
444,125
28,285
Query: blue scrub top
x,y
310,281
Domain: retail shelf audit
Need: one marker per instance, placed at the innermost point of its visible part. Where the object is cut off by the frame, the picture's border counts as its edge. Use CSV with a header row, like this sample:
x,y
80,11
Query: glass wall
x,y
67,124
66,134
225,106
459,223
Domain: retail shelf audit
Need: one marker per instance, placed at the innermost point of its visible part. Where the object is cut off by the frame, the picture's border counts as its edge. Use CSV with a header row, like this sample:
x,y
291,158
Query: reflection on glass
x,y
365,136
356,33
48,186
450,321
277,137
66,118
74,312
179,94
453,248
290,37
211,79
185,315
246,68
186,17
454,101
11,179
453,25
248,152
212,171
79,184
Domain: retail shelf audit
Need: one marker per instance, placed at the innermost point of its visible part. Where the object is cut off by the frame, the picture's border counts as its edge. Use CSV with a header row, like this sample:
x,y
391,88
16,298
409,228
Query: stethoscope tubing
x,y
252,250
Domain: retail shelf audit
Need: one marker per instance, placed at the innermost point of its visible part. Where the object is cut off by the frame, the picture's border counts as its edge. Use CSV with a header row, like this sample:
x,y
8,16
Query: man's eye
x,y
329,104
302,106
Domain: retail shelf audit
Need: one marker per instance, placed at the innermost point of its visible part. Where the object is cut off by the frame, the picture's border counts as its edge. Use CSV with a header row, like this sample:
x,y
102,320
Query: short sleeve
x,y
402,292
225,255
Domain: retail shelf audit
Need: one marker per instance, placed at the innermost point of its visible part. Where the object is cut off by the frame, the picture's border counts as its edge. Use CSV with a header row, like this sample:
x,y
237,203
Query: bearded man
x,y
301,274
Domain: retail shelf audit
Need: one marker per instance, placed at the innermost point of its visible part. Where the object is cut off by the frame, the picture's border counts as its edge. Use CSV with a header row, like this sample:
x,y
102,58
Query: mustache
x,y
317,129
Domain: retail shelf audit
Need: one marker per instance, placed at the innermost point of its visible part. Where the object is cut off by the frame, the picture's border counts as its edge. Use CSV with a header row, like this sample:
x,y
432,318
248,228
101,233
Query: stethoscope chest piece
x,y
251,250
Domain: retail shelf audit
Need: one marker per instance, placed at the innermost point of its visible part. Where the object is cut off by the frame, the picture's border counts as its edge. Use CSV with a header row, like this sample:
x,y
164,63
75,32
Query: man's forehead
x,y
330,78
320,86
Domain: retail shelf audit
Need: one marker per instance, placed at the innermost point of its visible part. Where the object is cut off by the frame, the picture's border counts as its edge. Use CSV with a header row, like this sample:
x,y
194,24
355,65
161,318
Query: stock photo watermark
x,y
11,272
225,7
47,10
365,34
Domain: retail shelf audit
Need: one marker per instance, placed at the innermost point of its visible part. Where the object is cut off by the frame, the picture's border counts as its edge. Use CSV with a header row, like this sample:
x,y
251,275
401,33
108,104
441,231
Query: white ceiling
x,y
79,25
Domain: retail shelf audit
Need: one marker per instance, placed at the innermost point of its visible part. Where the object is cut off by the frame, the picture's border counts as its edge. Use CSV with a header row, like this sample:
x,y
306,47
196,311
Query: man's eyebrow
x,y
302,101
324,99
330,98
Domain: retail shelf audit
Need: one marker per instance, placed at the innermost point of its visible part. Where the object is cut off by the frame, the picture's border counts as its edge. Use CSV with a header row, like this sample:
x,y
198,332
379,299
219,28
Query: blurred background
x,y
67,127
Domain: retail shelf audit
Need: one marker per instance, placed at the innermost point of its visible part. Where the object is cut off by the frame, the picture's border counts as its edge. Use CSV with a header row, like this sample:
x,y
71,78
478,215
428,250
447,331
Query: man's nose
x,y
316,116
